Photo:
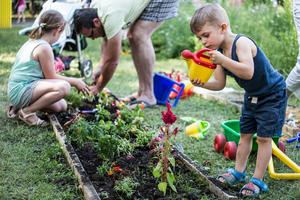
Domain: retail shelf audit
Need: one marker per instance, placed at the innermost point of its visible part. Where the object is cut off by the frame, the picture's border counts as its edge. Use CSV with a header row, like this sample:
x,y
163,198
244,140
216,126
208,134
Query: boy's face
x,y
211,36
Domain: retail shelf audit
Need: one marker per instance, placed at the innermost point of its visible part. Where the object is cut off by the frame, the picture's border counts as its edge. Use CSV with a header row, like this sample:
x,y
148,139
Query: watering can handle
x,y
203,51
186,54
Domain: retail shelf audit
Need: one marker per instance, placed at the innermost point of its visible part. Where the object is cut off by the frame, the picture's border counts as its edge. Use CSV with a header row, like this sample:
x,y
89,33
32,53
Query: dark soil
x,y
139,167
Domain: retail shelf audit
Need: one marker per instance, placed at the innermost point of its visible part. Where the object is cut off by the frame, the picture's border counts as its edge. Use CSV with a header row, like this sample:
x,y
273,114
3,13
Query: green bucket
x,y
232,133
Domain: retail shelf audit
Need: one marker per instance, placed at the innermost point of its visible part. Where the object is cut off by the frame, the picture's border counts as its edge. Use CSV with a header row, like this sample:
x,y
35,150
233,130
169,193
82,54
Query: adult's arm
x,y
109,61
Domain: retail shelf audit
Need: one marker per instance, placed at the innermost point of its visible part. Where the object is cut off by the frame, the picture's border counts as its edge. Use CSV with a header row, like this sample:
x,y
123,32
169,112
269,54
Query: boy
x,y
265,96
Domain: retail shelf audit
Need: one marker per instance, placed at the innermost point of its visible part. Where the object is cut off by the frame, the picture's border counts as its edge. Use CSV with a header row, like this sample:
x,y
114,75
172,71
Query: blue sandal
x,y
232,177
251,187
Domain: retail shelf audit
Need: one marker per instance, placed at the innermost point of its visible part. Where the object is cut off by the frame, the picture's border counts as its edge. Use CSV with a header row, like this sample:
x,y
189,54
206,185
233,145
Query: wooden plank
x,y
86,185
215,189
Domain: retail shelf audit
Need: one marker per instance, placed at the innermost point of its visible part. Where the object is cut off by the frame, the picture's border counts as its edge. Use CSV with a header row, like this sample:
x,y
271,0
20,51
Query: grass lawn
x,y
33,167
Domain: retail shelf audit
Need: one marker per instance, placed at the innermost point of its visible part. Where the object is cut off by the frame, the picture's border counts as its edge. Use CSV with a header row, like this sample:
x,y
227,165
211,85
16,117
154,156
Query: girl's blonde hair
x,y
213,14
49,20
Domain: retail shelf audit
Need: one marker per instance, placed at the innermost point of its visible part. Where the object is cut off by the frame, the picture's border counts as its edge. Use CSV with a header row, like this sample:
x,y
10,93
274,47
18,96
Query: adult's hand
x,y
96,75
94,89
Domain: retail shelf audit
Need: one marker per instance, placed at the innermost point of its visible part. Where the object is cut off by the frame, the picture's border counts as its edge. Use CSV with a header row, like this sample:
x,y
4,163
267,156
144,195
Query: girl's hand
x,y
81,86
216,57
197,82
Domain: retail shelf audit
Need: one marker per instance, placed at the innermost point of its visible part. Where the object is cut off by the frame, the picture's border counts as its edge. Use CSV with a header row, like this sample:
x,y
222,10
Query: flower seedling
x,y
161,145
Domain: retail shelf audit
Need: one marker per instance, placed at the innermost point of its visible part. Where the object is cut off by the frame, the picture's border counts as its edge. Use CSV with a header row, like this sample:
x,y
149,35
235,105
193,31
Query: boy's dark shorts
x,y
264,115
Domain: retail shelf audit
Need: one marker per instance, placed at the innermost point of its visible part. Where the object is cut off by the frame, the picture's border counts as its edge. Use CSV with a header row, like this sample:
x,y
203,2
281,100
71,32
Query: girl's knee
x,y
64,88
60,106
63,105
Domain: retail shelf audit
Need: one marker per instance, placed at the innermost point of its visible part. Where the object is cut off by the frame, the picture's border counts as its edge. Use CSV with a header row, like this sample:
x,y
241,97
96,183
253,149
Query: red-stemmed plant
x,y
161,145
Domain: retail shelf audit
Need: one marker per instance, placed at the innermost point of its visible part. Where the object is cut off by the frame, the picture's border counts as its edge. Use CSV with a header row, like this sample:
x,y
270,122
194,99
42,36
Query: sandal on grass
x,y
142,104
232,177
11,112
253,188
129,99
31,119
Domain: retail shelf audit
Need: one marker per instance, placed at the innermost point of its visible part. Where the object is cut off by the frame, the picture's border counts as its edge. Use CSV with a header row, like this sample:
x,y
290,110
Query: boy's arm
x,y
243,69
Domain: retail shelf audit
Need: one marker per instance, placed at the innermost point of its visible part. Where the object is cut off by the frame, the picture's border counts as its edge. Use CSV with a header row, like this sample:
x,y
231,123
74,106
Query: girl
x,y
21,6
33,84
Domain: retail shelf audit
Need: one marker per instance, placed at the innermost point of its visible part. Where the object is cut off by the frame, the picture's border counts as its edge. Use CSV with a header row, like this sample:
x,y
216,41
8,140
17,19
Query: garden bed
x,y
136,171
129,175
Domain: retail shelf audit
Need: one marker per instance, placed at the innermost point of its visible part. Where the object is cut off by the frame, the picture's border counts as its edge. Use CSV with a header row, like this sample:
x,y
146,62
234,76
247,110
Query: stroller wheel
x,y
86,68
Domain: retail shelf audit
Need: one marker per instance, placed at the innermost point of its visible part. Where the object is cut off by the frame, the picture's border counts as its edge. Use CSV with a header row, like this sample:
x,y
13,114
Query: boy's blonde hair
x,y
49,20
213,14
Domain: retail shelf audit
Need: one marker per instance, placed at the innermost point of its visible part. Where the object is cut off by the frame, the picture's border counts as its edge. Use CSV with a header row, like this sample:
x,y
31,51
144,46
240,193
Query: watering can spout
x,y
187,55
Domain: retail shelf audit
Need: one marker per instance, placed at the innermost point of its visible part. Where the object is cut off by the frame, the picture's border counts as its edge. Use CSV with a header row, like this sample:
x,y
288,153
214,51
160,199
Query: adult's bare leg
x,y
143,57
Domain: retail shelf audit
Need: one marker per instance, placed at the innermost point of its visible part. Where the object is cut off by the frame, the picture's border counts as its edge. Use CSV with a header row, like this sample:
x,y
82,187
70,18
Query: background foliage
x,y
271,27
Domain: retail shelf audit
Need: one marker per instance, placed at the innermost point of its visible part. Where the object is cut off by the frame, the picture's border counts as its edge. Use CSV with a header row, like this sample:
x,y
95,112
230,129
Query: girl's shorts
x,y
24,97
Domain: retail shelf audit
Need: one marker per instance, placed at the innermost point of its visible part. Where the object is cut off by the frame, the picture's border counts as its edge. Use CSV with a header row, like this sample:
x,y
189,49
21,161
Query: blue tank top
x,y
265,80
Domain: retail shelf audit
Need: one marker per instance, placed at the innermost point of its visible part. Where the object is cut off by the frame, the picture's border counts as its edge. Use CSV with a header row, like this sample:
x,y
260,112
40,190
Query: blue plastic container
x,y
163,86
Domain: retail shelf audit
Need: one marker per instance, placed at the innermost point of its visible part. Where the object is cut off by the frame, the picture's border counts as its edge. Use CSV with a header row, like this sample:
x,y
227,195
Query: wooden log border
x,y
191,165
85,184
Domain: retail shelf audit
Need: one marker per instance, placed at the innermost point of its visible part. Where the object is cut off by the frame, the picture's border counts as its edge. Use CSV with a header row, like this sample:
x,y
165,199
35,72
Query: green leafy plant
x,y
126,186
103,168
161,144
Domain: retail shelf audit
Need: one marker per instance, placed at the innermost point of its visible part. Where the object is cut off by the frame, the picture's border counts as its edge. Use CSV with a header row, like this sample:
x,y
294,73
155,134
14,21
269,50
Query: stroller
x,y
69,40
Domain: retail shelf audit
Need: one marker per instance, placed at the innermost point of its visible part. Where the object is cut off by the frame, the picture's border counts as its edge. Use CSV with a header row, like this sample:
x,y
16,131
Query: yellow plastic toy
x,y
200,67
286,160
197,129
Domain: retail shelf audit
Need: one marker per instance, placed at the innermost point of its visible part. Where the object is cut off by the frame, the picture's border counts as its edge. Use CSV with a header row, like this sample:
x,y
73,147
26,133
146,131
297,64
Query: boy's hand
x,y
216,57
197,82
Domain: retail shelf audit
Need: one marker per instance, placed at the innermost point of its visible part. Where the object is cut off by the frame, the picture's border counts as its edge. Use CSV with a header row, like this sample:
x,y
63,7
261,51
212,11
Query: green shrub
x,y
272,29
175,35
